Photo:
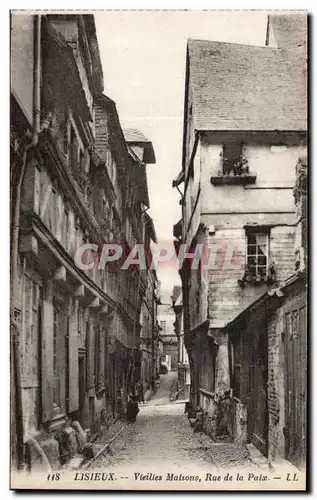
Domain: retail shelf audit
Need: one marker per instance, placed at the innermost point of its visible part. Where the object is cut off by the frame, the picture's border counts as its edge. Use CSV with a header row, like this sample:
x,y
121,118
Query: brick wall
x,y
282,239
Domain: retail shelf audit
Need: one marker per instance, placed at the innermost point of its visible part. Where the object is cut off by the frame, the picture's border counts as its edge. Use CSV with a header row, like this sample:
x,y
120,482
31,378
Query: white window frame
x,y
256,255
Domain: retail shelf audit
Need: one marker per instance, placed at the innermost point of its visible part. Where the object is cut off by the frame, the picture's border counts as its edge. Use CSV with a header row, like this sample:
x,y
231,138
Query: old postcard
x,y
158,319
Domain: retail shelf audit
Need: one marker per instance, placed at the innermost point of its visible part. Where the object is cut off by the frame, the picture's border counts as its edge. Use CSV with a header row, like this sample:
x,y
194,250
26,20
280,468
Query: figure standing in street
x,y
132,408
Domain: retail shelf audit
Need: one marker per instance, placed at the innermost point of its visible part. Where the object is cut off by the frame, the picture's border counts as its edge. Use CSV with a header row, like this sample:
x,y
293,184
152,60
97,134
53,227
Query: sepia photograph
x,y
158,250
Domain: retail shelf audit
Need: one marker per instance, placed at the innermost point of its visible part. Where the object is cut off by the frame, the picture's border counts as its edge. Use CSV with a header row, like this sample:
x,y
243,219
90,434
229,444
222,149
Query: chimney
x,y
300,197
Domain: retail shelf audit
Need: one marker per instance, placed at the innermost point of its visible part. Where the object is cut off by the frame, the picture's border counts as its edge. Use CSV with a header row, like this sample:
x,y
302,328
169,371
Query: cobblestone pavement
x,y
162,436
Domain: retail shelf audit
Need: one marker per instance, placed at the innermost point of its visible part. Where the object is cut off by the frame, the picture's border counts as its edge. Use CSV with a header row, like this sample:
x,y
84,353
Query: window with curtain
x,y
257,253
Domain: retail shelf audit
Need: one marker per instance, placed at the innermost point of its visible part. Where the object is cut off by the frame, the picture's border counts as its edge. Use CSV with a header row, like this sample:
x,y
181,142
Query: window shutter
x,y
73,388
47,360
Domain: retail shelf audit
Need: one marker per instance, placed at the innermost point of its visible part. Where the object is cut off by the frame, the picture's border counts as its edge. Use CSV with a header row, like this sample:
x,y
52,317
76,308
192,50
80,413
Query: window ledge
x,y
255,282
233,179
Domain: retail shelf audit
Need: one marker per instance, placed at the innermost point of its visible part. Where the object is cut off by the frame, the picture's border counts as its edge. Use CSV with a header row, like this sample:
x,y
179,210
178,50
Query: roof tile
x,y
289,30
245,87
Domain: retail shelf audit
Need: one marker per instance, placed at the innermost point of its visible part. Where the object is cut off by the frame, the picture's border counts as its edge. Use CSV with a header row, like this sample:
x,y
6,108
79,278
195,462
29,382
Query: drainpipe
x,y
15,327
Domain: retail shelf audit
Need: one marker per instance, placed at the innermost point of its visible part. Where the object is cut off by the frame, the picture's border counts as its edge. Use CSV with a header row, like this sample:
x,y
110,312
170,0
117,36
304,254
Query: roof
x,y
245,87
133,136
97,73
58,53
290,30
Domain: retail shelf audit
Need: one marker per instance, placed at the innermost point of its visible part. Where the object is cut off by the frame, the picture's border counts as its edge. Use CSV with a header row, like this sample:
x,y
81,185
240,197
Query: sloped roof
x,y
245,87
133,136
290,30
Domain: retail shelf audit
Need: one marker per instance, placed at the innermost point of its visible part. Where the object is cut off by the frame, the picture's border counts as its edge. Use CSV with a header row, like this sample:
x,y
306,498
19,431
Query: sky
x,y
143,58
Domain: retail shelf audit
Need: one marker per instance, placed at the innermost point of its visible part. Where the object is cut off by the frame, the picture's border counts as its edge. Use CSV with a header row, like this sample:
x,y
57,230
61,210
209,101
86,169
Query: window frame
x,y
256,232
228,167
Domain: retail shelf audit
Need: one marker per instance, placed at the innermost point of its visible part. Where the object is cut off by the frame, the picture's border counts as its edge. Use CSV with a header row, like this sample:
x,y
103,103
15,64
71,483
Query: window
x,y
163,325
257,254
231,156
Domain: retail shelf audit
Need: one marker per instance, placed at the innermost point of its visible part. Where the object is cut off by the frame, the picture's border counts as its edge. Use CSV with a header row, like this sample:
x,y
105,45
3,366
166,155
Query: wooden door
x,y
258,414
295,380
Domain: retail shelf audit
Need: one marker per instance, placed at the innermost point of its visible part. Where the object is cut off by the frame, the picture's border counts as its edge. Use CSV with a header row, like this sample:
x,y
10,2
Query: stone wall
x,y
226,298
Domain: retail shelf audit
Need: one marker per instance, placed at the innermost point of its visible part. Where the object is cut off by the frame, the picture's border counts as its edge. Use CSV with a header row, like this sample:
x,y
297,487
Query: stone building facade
x,y
166,319
149,335
182,362
239,170
75,181
270,339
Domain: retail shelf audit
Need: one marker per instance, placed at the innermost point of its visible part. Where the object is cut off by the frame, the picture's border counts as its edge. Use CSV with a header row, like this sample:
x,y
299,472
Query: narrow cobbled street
x,y
162,436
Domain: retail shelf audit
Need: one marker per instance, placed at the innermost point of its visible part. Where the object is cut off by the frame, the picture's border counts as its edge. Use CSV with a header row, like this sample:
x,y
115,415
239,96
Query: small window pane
x,y
261,239
252,249
261,250
262,260
251,261
262,271
251,239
